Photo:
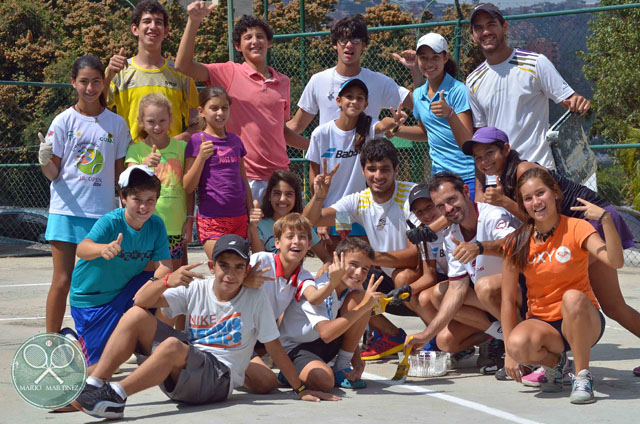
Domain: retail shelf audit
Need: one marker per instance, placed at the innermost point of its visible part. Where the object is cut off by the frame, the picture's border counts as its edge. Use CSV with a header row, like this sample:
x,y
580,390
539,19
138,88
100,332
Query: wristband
x,y
190,217
480,246
300,389
166,277
450,114
605,213
395,129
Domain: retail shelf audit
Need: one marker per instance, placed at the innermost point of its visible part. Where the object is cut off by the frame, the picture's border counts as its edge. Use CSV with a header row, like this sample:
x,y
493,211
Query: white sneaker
x,y
582,388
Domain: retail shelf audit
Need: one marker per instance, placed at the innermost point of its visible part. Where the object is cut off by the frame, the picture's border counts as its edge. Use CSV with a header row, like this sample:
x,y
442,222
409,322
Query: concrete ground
x,y
464,395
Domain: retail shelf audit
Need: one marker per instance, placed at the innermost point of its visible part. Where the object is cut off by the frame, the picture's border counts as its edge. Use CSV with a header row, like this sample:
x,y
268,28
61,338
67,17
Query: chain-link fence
x,y
24,194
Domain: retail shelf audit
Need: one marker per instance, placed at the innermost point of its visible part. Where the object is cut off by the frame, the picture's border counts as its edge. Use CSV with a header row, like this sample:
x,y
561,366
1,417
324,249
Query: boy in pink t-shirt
x,y
260,94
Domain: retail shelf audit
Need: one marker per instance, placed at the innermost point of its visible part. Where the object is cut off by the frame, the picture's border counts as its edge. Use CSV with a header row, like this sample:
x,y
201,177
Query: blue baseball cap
x,y
354,82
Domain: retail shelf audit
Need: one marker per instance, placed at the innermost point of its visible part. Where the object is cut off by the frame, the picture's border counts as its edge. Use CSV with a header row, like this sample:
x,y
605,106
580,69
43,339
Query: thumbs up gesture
x,y
116,64
112,249
465,252
495,195
256,214
46,150
420,234
440,108
206,148
153,159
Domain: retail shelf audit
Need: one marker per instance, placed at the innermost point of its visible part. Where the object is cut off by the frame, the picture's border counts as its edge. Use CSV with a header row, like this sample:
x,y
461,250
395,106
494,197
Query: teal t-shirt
x,y
98,282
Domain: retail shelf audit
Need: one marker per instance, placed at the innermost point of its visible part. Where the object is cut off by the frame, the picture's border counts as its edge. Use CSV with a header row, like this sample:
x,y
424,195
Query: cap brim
x,y
234,250
467,147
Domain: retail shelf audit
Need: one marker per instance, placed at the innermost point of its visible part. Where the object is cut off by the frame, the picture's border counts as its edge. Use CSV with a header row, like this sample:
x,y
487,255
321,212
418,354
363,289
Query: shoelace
x,y
581,383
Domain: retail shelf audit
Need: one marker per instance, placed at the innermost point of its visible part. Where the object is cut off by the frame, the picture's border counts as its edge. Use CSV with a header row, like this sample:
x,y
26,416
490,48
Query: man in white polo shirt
x,y
511,89
474,261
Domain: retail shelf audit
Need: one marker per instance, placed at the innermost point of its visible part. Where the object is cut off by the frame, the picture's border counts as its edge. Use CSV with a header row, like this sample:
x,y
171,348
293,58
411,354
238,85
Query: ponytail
x,y
362,131
516,245
509,176
451,68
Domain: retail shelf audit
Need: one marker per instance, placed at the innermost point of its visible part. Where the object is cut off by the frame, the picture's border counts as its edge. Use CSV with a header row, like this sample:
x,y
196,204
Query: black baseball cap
x,y
354,82
231,243
421,191
489,8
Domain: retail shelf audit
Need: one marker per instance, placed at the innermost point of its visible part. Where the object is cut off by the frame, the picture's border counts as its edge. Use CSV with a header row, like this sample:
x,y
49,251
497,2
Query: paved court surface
x,y
462,396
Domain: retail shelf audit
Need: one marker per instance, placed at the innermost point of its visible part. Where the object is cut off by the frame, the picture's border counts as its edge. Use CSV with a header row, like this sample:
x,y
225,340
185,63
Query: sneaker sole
x,y
582,401
391,351
531,383
99,410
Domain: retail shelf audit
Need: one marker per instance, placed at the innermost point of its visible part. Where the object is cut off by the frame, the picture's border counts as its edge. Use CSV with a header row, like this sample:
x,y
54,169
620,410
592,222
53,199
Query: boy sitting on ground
x,y
313,335
205,364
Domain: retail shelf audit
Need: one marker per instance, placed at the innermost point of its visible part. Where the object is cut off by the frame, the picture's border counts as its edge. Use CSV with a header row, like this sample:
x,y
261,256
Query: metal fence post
x,y
232,51
457,32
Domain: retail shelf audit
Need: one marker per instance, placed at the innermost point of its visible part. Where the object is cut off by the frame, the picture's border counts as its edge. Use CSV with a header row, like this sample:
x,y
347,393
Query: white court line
x,y
448,398
24,285
614,328
27,318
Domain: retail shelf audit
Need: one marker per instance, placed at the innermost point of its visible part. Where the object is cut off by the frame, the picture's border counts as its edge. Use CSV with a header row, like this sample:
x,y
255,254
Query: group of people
x,y
495,249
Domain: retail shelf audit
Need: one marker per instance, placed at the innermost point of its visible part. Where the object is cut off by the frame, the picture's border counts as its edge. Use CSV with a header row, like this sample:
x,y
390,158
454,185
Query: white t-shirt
x,y
435,252
514,97
88,147
494,223
281,291
319,95
385,223
337,146
228,330
301,318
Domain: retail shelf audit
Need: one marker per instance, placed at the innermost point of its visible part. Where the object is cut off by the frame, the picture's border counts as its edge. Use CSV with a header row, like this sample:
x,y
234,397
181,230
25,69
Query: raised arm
x,y
608,251
314,211
184,58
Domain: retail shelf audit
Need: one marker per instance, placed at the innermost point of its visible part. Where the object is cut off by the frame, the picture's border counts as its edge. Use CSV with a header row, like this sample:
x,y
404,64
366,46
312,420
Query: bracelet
x,y
191,216
395,129
605,213
450,114
480,246
300,389
166,277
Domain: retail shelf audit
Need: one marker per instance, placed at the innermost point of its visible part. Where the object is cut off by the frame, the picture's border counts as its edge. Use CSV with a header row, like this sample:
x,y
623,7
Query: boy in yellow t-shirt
x,y
127,81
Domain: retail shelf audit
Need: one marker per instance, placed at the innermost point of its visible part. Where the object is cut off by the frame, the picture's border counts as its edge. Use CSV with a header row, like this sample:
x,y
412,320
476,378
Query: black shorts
x,y
558,326
316,350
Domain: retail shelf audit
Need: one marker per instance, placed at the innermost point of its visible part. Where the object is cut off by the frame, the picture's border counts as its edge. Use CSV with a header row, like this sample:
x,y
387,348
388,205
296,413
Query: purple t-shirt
x,y
221,190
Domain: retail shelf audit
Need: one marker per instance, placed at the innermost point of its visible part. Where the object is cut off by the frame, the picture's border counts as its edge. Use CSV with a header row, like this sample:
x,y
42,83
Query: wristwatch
x,y
153,279
480,246
300,389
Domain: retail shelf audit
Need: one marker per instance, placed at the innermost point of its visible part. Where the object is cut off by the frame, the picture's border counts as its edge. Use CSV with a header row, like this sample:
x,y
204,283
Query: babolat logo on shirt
x,y
339,154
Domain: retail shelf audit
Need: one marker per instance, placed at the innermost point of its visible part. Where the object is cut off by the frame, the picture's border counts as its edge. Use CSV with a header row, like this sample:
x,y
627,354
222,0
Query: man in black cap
x,y
511,89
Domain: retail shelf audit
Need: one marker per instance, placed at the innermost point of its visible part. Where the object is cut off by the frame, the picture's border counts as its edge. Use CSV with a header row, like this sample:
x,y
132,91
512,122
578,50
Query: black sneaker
x,y
101,403
495,355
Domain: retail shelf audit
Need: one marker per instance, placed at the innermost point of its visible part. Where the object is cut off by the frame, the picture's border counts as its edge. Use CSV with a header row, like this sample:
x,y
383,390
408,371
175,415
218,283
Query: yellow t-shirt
x,y
131,84
172,204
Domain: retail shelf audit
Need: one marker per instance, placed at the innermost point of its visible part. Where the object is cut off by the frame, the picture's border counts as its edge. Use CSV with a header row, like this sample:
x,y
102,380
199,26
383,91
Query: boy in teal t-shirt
x,y
112,260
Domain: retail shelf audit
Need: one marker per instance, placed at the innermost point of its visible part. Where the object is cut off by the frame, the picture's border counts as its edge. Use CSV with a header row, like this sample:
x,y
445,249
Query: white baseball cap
x,y
434,40
123,181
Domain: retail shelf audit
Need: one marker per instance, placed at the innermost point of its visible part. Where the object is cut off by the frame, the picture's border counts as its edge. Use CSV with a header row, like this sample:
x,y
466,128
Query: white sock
x,y
495,330
96,382
119,390
343,360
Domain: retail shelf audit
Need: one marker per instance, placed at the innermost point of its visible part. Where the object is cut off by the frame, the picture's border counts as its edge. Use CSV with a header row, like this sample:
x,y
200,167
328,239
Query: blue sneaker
x,y
341,380
384,346
432,346
283,380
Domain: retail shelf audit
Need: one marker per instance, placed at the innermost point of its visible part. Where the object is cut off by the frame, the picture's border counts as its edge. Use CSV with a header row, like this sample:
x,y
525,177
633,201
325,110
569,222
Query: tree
x,y
613,65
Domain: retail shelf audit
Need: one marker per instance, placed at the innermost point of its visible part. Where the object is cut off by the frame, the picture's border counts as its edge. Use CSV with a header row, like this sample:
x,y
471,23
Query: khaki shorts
x,y
204,380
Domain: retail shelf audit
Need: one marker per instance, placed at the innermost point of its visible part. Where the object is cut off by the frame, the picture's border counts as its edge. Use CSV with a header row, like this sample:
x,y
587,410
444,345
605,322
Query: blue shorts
x,y
356,230
94,325
71,229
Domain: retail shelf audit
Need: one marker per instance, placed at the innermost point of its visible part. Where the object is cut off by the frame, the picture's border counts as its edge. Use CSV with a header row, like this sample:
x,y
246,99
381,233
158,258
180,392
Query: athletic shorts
x,y
471,182
94,325
214,228
558,326
70,229
176,247
204,380
385,287
317,350
356,230
626,236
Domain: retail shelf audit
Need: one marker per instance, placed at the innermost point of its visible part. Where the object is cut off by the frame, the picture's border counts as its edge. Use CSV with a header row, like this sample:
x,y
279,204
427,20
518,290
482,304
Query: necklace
x,y
544,236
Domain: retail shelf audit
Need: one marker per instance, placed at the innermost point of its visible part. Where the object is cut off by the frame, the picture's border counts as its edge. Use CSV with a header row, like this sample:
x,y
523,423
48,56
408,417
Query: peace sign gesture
x,y
590,210
322,182
399,116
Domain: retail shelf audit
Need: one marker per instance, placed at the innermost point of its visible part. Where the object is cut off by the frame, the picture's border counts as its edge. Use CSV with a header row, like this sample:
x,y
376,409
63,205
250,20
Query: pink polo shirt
x,y
259,110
